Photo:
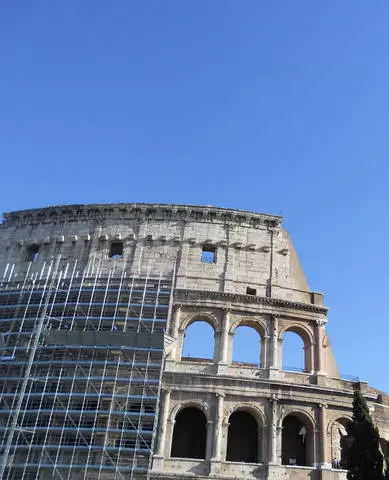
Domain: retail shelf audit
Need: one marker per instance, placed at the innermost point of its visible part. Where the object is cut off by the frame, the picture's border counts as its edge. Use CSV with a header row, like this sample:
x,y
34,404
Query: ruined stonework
x,y
231,268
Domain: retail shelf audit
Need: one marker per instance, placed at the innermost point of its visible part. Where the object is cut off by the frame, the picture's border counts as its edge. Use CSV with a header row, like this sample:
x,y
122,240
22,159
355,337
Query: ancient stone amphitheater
x,y
95,304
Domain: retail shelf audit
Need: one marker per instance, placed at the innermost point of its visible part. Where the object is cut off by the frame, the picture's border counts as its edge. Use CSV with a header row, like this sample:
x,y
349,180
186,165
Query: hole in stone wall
x,y
189,434
32,253
242,442
247,346
116,250
199,341
208,254
251,291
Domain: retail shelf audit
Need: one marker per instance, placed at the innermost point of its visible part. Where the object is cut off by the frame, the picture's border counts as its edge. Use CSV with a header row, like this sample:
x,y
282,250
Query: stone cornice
x,y
192,295
141,211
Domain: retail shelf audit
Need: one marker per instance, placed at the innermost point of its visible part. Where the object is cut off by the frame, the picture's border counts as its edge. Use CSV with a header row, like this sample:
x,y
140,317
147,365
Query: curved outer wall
x,y
249,250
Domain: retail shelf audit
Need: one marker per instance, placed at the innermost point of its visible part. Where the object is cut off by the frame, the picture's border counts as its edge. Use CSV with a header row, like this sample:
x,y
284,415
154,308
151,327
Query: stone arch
x,y
245,426
259,328
339,442
308,341
250,408
254,323
297,446
199,317
189,437
384,447
203,406
208,319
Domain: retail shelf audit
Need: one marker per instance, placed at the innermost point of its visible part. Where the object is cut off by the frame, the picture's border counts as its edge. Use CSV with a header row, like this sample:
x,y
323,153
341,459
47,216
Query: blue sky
x,y
281,107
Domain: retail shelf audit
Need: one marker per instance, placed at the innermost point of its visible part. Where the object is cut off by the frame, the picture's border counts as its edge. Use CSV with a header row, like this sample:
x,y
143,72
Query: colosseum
x,y
95,304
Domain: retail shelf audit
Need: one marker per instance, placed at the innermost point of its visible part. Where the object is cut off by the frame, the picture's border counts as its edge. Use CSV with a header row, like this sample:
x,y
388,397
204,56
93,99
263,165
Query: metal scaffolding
x,y
81,357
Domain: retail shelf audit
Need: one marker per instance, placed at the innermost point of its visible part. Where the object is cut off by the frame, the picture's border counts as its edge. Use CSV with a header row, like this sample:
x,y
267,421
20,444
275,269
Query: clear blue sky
x,y
278,106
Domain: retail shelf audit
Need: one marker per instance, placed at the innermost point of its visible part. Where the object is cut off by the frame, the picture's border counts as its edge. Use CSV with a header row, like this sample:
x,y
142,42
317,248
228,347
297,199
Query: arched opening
x,y
297,441
340,442
247,346
189,434
199,341
242,442
296,351
384,446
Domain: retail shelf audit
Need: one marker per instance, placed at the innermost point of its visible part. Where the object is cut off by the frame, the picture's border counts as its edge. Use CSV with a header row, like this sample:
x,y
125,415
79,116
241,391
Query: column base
x,y
158,463
214,466
274,472
275,374
321,378
222,368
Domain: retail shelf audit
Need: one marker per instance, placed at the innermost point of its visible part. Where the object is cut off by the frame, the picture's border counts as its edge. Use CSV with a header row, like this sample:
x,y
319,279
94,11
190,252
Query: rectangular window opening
x,y
32,253
251,291
208,254
116,250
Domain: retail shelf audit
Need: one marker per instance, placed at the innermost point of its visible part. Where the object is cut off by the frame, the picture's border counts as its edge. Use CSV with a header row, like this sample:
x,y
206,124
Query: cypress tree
x,y
364,459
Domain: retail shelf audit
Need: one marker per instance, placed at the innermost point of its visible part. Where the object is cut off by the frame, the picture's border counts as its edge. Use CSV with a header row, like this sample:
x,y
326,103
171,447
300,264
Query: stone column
x,y
175,320
164,413
218,425
217,434
159,457
208,447
323,436
319,334
272,431
223,356
264,349
274,362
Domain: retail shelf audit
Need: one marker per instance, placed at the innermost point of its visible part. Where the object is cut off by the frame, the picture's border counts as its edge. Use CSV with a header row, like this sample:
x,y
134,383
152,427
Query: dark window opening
x,y
251,291
32,253
242,442
208,254
116,250
189,434
297,444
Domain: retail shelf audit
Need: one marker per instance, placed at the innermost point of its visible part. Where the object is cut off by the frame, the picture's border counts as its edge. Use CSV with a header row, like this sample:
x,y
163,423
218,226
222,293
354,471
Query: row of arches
x,y
245,438
190,434
199,342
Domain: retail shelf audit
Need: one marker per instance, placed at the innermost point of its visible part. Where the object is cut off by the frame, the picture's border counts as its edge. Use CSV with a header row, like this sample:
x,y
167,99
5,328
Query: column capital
x,y
273,399
227,308
322,405
320,322
178,306
220,395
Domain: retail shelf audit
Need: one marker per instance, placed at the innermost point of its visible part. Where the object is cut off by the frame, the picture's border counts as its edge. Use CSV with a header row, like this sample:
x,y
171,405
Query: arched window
x,y
242,443
384,446
297,441
296,351
247,346
340,442
189,434
199,341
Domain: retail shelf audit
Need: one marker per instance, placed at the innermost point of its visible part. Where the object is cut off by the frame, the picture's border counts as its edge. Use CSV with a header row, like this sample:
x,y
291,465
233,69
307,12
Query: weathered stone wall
x,y
252,251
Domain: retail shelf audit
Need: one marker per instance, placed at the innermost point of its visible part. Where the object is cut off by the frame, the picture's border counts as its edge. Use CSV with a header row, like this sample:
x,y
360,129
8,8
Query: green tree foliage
x,y
364,459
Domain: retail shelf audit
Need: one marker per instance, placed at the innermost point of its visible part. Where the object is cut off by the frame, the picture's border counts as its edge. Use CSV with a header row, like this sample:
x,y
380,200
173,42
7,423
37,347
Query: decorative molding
x,y
140,211
320,322
190,295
